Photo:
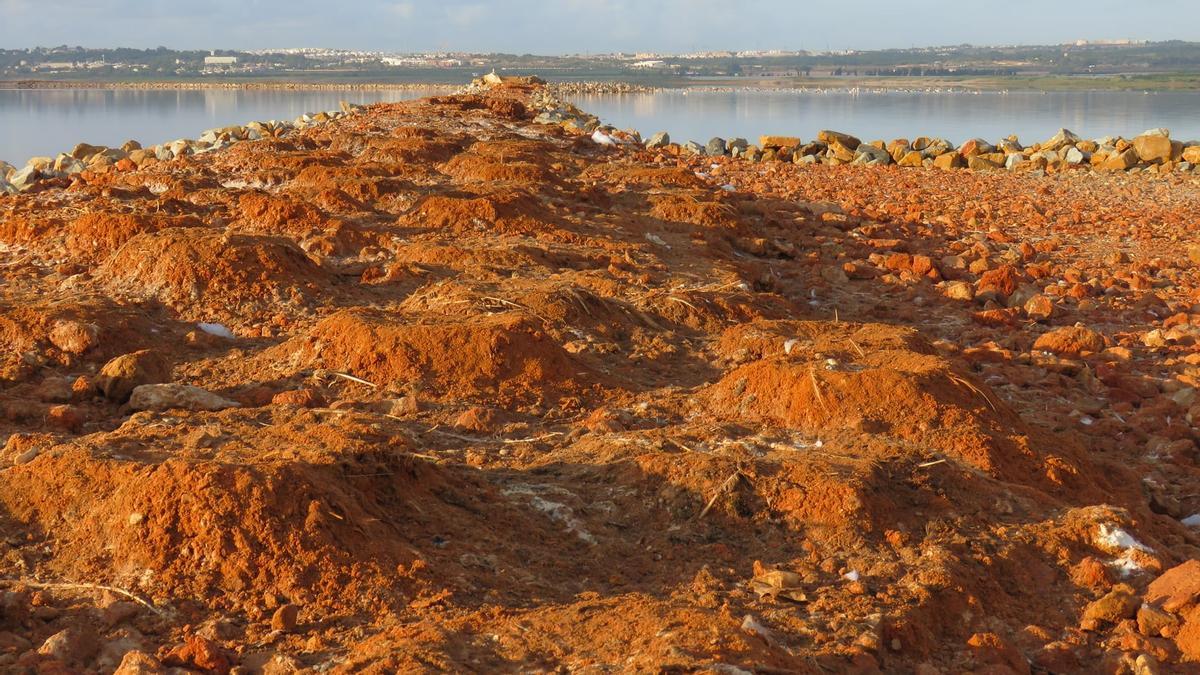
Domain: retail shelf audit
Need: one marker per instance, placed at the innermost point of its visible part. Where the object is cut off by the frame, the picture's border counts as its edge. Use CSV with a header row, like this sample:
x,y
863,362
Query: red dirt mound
x,y
95,236
501,359
329,521
188,269
509,212
884,380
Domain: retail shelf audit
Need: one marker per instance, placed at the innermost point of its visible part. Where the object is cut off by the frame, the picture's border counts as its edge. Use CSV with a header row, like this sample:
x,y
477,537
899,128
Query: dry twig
x,y
87,587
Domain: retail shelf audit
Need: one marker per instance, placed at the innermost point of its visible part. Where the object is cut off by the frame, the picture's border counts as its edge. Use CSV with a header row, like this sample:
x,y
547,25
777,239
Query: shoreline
x,y
974,85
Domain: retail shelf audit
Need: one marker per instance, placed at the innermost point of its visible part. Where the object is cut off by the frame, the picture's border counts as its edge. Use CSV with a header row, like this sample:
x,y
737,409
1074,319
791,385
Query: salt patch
x,y
216,329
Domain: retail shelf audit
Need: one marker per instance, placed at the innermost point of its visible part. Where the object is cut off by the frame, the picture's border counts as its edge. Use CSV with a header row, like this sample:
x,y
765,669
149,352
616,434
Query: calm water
x,y
46,122
1033,116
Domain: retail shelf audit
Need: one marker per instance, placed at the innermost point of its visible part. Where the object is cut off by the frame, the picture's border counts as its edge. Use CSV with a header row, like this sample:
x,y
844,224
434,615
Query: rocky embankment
x,y
477,384
1154,152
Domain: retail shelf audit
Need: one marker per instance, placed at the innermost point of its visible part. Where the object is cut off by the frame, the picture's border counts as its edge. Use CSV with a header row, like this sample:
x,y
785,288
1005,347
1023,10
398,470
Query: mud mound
x,y
192,269
510,212
696,209
94,236
646,176
471,166
502,359
410,150
334,526
884,381
18,228
522,162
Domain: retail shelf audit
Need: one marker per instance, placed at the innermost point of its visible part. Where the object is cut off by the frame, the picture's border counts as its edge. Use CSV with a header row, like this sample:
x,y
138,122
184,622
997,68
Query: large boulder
x,y
872,155
1154,148
1120,161
777,142
1062,139
831,137
660,140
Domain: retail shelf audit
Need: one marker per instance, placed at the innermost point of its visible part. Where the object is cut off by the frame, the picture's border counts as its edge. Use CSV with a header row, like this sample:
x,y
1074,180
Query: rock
x,y
913,159
660,140
978,163
991,649
119,612
1121,161
74,337
949,160
282,664
1039,308
75,646
84,151
1152,620
25,178
1153,147
959,290
693,148
872,155
286,618
301,398
831,137
1004,280
1015,161
177,396
778,142
1075,156
738,144
1176,588
199,653
1062,139
140,663
976,146
1191,154
55,390
120,376
476,419
841,152
1073,341
715,148
1119,603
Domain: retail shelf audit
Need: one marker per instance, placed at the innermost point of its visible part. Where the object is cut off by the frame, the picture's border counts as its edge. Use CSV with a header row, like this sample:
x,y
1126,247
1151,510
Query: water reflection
x,y
46,122
1033,116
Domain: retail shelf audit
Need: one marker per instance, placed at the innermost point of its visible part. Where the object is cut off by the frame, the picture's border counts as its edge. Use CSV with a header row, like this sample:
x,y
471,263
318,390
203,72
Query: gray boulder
x,y
715,148
871,155
660,140
25,178
1062,139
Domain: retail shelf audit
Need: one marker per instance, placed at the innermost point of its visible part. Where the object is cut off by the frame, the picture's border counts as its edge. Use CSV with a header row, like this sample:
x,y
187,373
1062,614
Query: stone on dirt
x,y
120,376
177,396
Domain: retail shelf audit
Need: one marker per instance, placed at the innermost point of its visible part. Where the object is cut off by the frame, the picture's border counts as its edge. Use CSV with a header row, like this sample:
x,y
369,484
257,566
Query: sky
x,y
585,26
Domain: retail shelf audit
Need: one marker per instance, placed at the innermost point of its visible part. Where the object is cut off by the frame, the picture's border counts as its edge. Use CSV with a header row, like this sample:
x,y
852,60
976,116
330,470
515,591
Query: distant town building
x,y
220,60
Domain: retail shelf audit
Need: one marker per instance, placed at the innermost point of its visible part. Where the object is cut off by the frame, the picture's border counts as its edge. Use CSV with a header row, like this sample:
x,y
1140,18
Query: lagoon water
x,y
957,116
49,121
45,122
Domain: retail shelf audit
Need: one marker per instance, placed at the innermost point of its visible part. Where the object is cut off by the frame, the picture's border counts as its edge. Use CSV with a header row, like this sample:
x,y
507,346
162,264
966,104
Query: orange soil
x,y
511,401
